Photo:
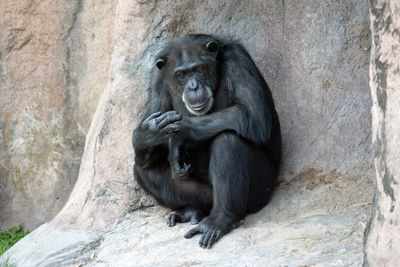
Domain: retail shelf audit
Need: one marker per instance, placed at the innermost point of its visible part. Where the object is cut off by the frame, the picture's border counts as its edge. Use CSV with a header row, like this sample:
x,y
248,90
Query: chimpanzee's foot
x,y
212,229
191,215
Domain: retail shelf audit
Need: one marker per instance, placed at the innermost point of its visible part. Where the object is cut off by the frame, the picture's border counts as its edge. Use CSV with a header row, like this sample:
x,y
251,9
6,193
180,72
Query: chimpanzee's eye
x,y
200,70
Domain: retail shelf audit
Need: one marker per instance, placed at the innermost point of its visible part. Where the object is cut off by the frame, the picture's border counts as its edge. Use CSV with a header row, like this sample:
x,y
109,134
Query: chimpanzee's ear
x,y
212,46
160,63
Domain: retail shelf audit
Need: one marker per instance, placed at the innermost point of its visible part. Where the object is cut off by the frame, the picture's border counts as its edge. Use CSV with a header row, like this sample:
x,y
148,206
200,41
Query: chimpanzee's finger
x,y
172,127
152,116
173,219
216,234
204,239
169,119
164,115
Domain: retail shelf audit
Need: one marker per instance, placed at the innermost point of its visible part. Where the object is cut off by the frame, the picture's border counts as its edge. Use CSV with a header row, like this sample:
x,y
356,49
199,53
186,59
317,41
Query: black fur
x,y
234,149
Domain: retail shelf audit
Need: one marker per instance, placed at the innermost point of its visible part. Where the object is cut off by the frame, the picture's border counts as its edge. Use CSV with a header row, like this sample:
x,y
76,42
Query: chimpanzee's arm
x,y
251,111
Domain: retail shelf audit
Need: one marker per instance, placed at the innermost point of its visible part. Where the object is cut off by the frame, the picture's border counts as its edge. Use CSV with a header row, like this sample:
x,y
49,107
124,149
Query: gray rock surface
x,y
143,239
382,243
314,55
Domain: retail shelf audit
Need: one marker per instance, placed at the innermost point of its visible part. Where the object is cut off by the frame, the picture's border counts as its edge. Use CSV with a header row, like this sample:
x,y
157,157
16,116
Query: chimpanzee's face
x,y
193,68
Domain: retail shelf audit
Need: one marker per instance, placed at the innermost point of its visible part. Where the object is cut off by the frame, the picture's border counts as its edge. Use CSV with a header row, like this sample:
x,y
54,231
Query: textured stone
x,y
382,242
40,145
143,239
53,69
314,55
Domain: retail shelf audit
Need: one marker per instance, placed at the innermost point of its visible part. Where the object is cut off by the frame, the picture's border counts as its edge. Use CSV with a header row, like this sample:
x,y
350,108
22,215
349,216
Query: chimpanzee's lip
x,y
199,107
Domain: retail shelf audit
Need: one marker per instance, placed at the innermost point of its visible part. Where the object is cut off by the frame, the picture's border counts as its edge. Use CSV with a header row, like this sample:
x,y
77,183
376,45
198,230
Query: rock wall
x,y
54,64
382,242
313,54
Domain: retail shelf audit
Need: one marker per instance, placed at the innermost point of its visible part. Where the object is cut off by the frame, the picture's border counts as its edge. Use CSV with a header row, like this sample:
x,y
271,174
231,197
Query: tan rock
x,y
49,88
382,242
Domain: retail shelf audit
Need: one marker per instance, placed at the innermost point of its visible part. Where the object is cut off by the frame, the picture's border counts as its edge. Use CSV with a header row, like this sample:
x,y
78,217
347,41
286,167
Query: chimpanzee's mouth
x,y
199,107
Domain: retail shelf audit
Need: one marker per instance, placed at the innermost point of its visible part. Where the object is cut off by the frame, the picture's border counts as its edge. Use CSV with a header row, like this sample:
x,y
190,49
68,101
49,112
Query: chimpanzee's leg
x,y
191,199
237,167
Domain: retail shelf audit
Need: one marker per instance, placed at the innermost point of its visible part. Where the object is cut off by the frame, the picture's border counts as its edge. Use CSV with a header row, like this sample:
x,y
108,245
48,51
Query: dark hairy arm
x,y
250,112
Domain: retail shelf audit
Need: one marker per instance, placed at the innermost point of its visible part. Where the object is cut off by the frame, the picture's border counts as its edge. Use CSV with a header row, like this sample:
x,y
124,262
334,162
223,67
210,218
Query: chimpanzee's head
x,y
190,70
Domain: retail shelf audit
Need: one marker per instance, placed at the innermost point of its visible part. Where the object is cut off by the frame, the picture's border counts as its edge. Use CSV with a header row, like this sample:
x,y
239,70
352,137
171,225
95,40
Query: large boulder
x,y
314,55
382,242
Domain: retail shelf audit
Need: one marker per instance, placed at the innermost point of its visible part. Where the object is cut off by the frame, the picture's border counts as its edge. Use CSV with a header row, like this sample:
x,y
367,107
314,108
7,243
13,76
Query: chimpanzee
x,y
211,114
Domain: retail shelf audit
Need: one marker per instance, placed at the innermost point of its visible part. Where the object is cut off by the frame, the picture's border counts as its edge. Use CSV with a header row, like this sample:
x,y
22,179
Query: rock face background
x,y
54,64
382,243
315,57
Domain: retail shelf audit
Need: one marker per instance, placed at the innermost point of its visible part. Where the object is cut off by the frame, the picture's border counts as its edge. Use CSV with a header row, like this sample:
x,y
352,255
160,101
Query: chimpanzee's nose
x,y
193,85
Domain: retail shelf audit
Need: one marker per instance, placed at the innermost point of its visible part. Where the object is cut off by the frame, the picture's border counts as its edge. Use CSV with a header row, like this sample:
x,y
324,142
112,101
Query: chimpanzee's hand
x,y
165,123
